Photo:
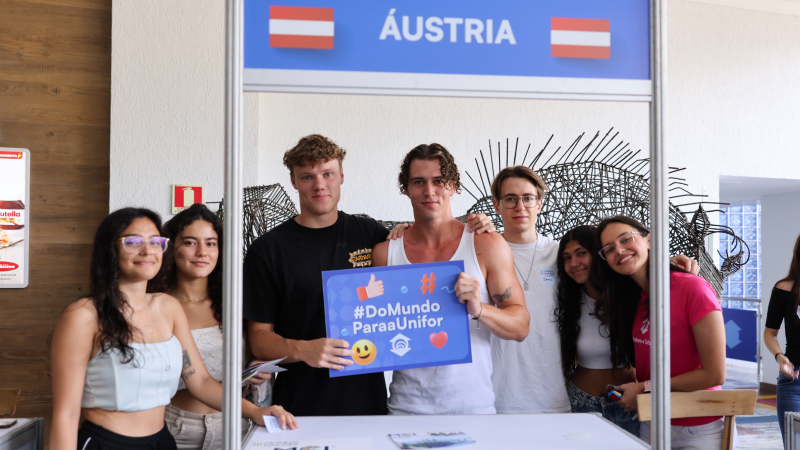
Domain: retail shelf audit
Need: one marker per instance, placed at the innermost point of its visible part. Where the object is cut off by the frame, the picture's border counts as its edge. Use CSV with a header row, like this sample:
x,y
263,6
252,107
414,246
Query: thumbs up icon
x,y
371,290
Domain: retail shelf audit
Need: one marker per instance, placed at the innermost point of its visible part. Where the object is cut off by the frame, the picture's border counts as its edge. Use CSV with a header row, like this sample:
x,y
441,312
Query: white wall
x,y
780,227
734,82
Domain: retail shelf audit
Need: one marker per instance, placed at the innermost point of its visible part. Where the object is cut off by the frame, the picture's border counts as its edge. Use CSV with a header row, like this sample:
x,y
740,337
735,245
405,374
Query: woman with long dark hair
x,y
194,276
784,304
585,347
118,354
697,331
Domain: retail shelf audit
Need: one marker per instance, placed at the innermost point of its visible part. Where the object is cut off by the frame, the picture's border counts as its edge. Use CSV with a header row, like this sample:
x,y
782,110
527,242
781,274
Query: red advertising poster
x,y
14,220
184,196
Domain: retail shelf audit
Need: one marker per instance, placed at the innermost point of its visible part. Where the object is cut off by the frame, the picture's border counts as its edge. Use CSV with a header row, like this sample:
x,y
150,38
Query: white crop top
x,y
209,345
148,381
594,347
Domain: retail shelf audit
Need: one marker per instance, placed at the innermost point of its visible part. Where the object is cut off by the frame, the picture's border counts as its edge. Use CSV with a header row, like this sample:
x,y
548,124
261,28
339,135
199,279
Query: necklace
x,y
187,298
525,280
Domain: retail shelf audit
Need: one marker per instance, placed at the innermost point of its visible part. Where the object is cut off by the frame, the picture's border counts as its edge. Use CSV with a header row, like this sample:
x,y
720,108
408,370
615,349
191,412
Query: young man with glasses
x,y
527,375
491,293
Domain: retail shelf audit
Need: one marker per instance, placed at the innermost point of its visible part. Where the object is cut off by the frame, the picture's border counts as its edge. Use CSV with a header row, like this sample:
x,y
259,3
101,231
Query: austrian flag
x,y
301,27
580,38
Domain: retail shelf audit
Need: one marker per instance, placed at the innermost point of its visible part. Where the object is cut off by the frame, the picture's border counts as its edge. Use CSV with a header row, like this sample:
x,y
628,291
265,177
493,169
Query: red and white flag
x,y
580,38
301,27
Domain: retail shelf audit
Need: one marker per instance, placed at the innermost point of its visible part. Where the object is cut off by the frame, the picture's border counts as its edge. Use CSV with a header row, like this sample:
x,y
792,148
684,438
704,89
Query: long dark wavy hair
x,y
794,276
109,301
173,230
569,294
620,296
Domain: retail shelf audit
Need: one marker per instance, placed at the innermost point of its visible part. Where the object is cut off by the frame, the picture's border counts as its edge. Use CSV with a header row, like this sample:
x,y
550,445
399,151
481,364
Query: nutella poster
x,y
14,224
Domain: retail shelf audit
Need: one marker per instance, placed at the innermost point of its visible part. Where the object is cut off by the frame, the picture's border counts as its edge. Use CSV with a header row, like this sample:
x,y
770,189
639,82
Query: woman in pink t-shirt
x,y
697,330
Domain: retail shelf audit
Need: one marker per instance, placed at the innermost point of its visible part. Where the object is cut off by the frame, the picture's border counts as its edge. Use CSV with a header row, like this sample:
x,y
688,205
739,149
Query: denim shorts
x,y
582,402
788,397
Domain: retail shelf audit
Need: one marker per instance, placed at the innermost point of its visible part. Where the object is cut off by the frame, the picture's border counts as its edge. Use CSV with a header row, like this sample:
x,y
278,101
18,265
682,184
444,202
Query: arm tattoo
x,y
186,361
188,374
501,298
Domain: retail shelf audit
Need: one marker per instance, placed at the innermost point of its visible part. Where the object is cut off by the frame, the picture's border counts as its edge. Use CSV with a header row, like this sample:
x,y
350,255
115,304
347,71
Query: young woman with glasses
x,y
117,355
784,304
697,331
194,276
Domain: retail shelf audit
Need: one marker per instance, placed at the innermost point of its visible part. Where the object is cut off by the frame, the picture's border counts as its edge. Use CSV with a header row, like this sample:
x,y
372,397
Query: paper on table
x,y
266,367
437,439
262,440
273,424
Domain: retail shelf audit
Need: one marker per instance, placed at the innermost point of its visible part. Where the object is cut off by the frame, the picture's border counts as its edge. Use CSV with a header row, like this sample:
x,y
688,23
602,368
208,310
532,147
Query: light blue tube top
x,y
148,381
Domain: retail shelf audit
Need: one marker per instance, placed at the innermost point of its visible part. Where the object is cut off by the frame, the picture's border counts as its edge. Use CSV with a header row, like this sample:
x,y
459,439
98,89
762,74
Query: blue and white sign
x,y
398,317
588,49
741,334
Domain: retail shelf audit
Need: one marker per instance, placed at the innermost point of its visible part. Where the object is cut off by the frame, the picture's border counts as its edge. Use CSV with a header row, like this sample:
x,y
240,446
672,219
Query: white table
x,y
517,431
26,434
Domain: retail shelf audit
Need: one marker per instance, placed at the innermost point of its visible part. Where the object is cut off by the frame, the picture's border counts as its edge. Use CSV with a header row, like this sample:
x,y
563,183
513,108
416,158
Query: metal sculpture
x,y
594,181
264,208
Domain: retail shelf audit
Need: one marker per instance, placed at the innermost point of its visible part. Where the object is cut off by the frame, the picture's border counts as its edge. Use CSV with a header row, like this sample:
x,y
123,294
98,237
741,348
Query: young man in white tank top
x,y
488,288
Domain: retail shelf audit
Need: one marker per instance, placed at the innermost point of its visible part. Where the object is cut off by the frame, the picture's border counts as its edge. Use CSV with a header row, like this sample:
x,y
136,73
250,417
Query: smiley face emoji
x,y
365,352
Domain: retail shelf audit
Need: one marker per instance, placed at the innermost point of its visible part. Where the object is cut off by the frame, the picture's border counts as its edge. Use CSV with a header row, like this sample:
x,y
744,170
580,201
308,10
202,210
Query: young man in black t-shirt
x,y
283,299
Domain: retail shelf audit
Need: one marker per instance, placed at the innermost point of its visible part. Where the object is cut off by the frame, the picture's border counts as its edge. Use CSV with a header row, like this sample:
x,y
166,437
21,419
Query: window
x,y
745,220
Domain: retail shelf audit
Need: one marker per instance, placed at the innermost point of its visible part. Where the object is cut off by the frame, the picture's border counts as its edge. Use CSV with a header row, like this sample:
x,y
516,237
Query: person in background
x,y
784,304
194,276
585,348
118,354
697,331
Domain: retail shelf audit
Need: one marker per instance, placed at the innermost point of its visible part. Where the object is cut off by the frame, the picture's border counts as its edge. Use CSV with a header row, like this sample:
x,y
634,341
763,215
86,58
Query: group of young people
x,y
556,324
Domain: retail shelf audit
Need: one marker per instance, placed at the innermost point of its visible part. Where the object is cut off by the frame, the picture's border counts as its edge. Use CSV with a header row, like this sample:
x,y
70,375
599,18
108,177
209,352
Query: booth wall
x,y
780,228
55,79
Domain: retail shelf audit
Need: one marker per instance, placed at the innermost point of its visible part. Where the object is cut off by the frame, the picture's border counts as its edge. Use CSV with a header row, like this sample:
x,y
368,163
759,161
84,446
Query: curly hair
x,y
313,149
114,330
568,295
173,230
430,152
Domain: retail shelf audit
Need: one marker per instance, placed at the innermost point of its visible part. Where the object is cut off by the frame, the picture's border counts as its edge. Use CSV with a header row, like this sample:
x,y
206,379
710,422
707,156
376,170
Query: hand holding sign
x,y
468,290
371,290
325,353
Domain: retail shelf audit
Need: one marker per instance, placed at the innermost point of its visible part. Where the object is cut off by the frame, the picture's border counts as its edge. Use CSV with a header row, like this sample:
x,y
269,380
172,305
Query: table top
x,y
21,423
540,431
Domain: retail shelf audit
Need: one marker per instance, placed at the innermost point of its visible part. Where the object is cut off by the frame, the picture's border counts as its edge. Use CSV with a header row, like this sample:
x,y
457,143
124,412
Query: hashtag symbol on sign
x,y
428,283
359,312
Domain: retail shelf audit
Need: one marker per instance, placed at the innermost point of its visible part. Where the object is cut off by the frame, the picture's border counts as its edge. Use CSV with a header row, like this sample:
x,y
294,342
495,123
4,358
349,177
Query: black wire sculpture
x,y
264,208
590,182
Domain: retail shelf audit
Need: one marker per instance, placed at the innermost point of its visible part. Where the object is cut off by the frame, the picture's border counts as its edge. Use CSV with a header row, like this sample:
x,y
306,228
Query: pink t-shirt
x,y
691,298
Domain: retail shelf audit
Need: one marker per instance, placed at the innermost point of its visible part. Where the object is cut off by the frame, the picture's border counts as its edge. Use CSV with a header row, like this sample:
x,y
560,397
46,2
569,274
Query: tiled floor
x,y
759,431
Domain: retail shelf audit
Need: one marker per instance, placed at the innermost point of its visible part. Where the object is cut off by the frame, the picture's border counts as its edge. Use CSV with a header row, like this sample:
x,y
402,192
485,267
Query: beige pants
x,y
197,431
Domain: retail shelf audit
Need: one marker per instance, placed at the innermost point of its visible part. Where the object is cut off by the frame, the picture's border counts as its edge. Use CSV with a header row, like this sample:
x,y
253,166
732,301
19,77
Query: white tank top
x,y
594,346
453,389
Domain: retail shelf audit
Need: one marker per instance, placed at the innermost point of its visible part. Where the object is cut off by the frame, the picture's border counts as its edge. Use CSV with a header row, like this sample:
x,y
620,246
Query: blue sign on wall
x,y
398,317
514,48
741,334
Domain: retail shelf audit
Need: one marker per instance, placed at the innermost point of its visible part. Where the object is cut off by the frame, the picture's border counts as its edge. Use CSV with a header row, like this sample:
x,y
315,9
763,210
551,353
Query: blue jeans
x,y
788,397
582,402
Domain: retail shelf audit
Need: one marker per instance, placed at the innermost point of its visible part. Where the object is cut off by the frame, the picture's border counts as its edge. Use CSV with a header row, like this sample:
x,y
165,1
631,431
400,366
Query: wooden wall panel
x,y
55,96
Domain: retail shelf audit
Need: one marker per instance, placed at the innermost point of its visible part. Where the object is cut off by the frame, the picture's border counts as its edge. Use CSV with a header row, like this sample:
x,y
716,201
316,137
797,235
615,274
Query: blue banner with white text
x,y
398,317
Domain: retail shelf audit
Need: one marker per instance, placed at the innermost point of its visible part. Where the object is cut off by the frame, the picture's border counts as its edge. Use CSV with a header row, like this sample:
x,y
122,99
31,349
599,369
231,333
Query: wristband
x,y
776,356
647,387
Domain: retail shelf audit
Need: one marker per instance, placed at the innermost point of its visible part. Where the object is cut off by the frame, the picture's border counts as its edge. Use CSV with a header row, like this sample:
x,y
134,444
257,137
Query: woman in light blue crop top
x,y
194,276
117,355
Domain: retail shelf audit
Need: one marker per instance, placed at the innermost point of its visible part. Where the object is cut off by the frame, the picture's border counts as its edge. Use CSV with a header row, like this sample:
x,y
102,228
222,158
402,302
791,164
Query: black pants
x,y
95,437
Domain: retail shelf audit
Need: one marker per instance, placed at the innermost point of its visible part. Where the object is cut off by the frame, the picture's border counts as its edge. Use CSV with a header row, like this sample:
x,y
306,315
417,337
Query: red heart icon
x,y
439,339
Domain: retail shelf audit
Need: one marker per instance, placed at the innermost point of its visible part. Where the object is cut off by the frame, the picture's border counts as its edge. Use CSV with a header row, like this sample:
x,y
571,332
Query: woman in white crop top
x,y
585,348
194,276
118,354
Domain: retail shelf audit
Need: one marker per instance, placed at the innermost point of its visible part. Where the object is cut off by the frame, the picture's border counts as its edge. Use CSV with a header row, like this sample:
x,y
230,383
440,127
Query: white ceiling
x,y
732,189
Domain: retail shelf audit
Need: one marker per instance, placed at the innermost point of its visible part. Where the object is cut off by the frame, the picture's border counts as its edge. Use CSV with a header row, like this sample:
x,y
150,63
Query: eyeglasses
x,y
135,244
624,242
528,201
